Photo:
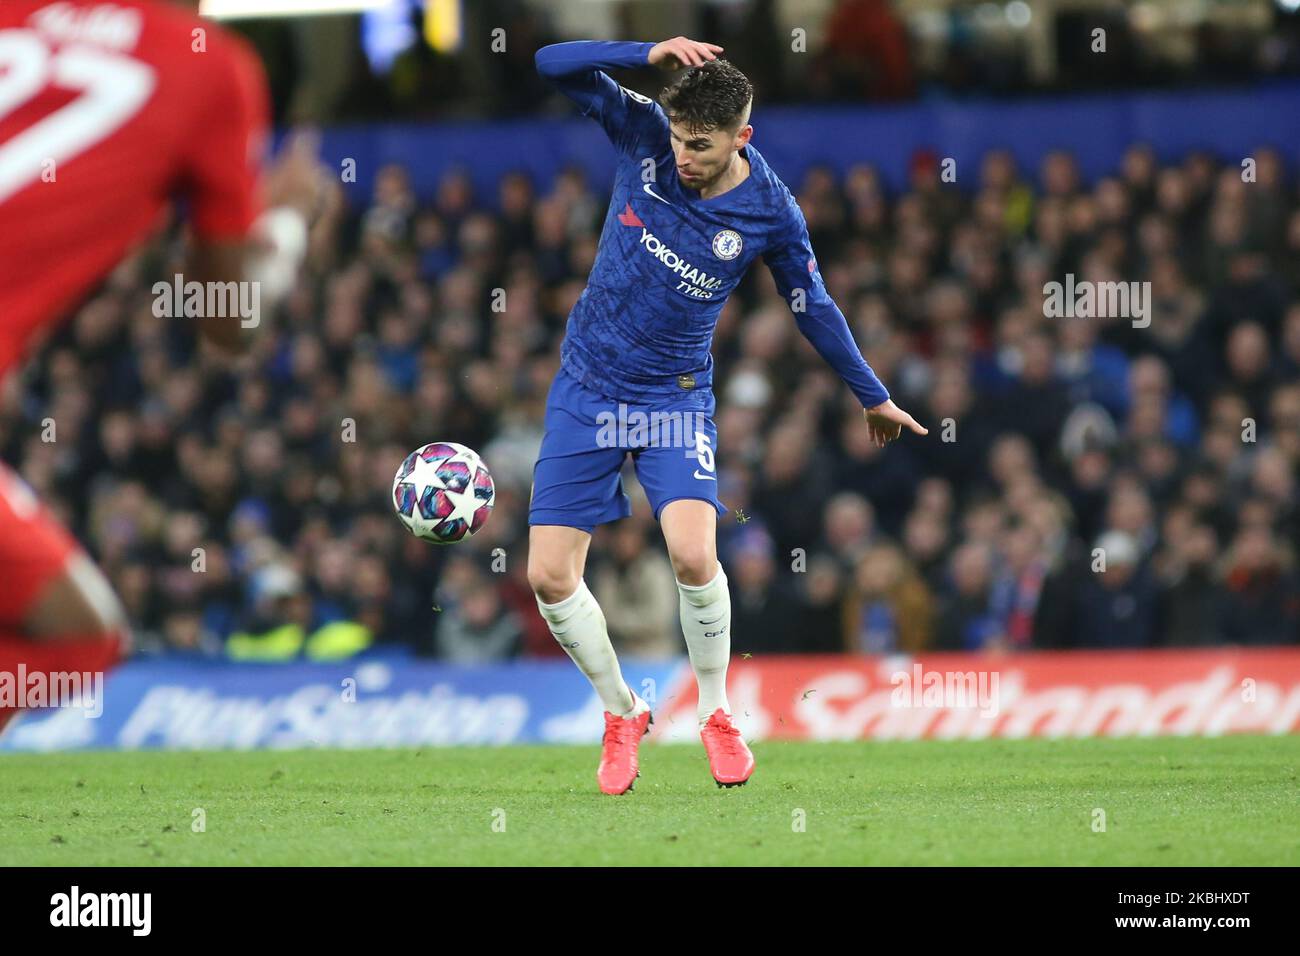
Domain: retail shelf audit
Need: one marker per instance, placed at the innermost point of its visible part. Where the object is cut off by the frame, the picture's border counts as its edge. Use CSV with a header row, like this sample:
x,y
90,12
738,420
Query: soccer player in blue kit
x,y
693,205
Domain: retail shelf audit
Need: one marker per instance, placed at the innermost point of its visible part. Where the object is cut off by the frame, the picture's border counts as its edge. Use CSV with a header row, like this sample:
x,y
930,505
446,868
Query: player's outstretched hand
x,y
296,176
680,52
885,423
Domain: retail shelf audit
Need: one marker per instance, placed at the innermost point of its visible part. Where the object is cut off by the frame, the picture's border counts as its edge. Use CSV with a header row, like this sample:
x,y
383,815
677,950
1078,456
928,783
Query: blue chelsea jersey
x,y
668,259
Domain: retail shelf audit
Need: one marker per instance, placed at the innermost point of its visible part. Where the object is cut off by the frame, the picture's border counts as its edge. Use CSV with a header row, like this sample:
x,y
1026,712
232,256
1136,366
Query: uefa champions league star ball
x,y
443,492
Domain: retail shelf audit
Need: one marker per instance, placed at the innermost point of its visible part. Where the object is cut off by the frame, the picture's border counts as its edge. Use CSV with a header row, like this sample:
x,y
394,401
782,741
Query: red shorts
x,y
34,549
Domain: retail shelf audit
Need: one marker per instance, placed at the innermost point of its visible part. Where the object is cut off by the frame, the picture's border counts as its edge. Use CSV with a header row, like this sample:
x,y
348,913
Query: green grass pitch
x,y
1166,801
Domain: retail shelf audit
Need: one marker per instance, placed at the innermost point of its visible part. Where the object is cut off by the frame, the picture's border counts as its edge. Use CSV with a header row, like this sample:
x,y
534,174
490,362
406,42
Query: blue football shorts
x,y
577,481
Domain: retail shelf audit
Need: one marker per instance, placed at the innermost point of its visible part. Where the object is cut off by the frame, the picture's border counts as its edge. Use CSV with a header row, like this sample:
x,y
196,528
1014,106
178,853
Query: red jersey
x,y
108,110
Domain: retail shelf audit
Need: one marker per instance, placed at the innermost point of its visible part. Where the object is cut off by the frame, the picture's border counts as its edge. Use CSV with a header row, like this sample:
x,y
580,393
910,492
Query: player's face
x,y
703,157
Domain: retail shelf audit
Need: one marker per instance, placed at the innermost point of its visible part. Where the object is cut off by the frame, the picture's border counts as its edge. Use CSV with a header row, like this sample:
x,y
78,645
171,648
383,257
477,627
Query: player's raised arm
x,y
794,267
270,251
247,224
576,70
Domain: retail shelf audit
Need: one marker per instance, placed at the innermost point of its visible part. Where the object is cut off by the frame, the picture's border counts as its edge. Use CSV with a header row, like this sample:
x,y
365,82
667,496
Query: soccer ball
x,y
443,492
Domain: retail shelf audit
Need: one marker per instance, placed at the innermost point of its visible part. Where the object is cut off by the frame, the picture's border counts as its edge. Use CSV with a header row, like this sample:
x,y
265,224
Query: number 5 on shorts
x,y
704,455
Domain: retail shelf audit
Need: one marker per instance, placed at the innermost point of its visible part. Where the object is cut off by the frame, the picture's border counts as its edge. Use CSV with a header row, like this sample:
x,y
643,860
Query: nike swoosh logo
x,y
704,477
707,623
647,188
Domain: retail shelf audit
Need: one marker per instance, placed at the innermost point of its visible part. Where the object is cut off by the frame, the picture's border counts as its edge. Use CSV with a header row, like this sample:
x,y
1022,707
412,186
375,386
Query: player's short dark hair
x,y
713,95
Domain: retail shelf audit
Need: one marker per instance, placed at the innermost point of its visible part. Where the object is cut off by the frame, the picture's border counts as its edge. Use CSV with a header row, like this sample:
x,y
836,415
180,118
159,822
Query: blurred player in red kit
x,y
108,112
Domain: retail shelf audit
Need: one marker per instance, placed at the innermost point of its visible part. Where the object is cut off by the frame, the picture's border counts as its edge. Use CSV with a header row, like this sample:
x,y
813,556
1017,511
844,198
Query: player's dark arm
x,y
273,250
248,223
823,324
221,261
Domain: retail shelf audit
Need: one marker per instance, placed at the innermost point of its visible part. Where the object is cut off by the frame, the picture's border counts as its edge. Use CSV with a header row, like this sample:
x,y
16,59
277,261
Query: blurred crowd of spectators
x,y
1086,482
795,51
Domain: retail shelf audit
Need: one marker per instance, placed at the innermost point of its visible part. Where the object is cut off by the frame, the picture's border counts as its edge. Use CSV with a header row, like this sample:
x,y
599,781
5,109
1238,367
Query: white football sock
x,y
578,624
706,623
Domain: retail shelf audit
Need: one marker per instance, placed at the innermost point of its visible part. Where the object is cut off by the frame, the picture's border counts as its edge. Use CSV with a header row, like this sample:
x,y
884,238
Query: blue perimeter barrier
x,y
374,702
1096,129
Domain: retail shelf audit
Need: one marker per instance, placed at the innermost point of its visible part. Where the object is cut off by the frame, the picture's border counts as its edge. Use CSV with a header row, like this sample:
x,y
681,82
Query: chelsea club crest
x,y
727,244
